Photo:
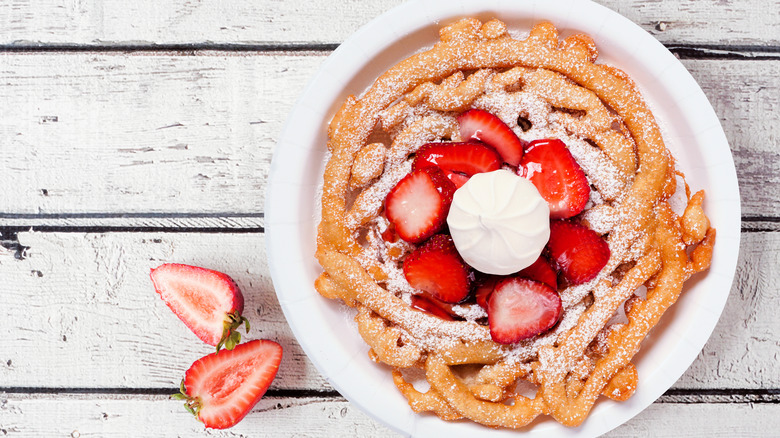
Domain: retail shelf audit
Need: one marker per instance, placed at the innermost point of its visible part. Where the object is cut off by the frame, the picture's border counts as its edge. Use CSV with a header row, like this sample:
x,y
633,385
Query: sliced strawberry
x,y
433,306
520,308
578,252
541,271
418,205
208,302
437,268
477,124
459,161
560,180
484,289
221,388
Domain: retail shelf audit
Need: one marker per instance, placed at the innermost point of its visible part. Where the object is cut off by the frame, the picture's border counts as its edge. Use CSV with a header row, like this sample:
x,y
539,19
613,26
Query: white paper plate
x,y
325,328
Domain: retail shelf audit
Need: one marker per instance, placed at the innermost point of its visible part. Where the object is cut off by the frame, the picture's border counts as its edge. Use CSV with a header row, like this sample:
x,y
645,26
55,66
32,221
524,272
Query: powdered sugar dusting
x,y
411,127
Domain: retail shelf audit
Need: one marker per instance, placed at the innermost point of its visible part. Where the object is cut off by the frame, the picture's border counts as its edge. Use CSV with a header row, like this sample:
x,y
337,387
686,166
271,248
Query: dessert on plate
x,y
498,210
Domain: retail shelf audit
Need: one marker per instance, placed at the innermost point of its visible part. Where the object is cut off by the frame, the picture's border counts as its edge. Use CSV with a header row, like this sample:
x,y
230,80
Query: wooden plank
x,y
176,134
743,350
106,22
175,22
697,420
744,96
84,300
219,222
140,416
86,303
157,416
123,133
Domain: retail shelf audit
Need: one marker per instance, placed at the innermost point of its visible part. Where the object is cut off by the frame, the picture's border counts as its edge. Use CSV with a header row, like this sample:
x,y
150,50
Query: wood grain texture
x,y
122,133
122,120
113,133
85,301
279,22
157,416
174,222
743,349
78,416
746,97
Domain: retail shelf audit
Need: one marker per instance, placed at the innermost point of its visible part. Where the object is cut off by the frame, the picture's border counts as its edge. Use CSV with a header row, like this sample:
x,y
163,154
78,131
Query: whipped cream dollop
x,y
499,222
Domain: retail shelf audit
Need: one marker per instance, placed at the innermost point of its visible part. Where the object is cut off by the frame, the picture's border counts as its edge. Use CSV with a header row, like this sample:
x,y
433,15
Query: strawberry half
x,y
579,252
437,268
541,271
433,306
480,125
418,205
555,173
459,161
208,302
520,308
221,388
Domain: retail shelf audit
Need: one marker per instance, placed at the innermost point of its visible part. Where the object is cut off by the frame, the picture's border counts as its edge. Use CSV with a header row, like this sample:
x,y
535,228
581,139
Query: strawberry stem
x,y
230,335
192,404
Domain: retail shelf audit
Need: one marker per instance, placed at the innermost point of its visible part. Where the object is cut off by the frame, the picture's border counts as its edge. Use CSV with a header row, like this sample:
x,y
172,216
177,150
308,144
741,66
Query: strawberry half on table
x,y
221,388
208,302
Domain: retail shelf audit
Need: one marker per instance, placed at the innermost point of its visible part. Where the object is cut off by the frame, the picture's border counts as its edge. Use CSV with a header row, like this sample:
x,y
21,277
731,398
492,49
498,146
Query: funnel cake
x,y
541,87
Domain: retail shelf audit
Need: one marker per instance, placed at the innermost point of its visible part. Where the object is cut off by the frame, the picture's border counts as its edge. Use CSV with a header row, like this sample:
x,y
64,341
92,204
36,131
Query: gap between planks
x,y
677,396
681,51
202,223
133,222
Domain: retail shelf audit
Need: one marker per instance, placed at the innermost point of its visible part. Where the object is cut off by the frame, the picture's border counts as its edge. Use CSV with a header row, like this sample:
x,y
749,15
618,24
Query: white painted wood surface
x,y
121,161
79,416
145,132
280,22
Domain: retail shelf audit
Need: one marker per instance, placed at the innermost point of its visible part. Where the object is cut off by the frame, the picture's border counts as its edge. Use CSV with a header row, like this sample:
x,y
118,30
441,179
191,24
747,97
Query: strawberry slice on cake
x,y
436,268
458,160
519,308
549,165
577,251
417,206
480,125
541,271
